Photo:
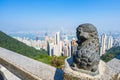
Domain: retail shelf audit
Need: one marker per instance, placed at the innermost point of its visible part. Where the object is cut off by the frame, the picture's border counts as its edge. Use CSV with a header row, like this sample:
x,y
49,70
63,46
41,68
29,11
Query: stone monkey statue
x,y
87,55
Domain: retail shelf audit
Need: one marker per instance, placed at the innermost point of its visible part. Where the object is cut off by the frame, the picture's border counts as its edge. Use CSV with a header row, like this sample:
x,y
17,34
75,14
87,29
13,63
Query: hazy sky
x,y
18,15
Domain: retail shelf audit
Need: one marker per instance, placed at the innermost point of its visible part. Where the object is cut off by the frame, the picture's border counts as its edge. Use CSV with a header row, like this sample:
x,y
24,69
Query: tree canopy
x,y
111,53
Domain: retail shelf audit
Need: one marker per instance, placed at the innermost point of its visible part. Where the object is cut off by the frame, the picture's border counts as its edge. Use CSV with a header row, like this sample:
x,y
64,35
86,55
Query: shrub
x,y
58,61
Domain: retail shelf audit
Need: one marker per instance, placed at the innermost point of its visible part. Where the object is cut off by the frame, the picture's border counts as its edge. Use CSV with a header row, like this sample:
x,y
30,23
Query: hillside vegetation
x,y
111,53
21,48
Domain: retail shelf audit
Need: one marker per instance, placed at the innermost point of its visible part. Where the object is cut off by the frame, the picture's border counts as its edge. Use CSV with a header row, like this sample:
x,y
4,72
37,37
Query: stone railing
x,y
26,68
7,75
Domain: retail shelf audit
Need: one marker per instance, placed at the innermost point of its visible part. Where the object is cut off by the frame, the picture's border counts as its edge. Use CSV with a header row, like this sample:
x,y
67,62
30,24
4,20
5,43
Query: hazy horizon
x,y
32,15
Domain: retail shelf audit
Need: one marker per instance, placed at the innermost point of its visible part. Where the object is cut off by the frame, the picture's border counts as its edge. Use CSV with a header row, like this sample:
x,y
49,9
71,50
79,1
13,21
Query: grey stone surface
x,y
114,64
105,72
40,70
7,75
87,55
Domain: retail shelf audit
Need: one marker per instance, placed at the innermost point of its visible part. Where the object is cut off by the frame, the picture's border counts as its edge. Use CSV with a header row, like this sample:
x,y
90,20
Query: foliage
x,y
107,57
111,53
57,61
21,48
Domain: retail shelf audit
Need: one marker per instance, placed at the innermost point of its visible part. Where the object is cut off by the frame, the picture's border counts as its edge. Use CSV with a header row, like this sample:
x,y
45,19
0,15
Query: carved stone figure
x,y
87,55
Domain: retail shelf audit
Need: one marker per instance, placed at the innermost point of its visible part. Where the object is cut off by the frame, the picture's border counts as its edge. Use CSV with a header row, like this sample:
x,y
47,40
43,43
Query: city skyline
x,y
24,15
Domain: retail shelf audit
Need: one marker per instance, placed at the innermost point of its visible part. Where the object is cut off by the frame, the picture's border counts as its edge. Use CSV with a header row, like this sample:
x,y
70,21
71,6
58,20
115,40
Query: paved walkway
x,y
34,67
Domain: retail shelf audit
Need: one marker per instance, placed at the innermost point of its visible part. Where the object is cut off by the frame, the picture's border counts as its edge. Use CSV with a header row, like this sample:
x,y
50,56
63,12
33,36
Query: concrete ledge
x,y
28,69
21,73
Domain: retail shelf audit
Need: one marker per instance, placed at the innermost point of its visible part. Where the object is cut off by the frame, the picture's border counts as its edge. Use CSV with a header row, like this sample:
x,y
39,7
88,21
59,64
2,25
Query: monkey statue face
x,y
85,32
81,35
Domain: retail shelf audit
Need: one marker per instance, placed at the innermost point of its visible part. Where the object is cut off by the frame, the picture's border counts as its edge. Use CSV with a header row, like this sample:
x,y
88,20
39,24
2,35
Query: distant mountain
x,y
21,48
114,52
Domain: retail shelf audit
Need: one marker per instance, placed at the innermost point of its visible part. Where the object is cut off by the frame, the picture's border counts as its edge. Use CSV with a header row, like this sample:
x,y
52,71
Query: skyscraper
x,y
50,49
110,42
103,44
57,38
73,46
57,45
65,49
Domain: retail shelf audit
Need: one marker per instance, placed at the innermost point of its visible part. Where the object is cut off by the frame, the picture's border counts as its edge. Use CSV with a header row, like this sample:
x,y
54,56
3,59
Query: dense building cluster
x,y
56,45
60,45
108,42
37,44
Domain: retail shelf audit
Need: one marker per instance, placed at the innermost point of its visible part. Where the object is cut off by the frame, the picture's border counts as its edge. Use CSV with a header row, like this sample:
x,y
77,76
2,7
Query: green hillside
x,y
111,53
21,48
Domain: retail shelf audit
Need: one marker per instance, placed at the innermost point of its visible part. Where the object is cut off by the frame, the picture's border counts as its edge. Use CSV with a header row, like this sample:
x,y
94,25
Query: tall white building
x,y
59,47
57,38
65,50
110,42
103,44
50,49
106,43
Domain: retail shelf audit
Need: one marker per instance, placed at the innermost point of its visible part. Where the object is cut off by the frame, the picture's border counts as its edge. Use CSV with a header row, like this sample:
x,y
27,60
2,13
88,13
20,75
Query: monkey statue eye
x,y
80,30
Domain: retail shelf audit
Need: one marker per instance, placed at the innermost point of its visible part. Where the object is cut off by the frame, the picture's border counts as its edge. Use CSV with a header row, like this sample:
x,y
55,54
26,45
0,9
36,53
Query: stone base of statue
x,y
104,72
